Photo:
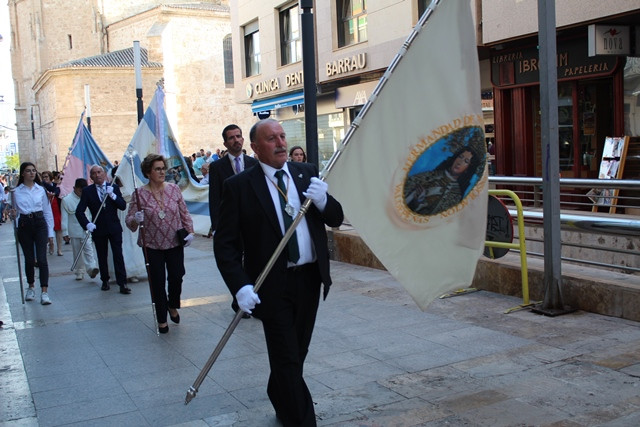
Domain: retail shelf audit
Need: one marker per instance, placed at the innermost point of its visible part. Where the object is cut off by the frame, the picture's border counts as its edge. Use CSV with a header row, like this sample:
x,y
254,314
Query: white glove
x,y
110,192
139,217
317,192
247,299
91,226
188,239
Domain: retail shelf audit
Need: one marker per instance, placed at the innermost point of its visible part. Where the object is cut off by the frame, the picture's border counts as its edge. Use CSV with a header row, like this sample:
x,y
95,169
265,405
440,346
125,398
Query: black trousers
x,y
166,265
102,250
288,335
33,233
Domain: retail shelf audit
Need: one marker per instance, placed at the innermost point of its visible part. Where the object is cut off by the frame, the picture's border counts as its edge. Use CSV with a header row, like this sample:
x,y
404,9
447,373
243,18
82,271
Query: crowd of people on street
x,y
253,200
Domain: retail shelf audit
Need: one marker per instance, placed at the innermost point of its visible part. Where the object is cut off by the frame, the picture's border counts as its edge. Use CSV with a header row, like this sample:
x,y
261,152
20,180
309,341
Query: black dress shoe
x,y
163,329
125,290
105,286
175,319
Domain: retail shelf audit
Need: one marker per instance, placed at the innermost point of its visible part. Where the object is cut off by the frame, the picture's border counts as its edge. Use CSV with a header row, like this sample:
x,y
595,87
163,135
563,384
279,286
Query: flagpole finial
x,y
131,153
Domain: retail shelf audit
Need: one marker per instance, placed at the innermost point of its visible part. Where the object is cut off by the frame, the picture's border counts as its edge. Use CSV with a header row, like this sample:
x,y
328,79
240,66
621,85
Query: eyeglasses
x,y
159,169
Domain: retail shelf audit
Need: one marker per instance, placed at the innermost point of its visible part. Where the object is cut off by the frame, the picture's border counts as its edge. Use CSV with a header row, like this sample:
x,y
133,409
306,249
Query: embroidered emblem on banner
x,y
443,170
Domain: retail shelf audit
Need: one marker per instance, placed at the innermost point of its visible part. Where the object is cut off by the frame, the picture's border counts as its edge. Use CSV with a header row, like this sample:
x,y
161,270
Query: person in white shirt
x,y
72,232
35,228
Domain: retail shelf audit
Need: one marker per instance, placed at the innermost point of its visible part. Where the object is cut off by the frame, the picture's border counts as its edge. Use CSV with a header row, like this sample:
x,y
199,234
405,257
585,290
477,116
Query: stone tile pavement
x,y
92,358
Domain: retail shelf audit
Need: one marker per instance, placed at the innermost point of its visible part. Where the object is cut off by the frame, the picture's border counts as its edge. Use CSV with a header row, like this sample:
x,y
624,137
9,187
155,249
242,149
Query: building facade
x,y
356,40
597,90
54,58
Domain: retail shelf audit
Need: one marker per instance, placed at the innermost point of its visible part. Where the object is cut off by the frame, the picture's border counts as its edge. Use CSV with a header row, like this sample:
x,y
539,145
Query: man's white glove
x,y
317,192
247,299
188,239
110,192
91,226
139,217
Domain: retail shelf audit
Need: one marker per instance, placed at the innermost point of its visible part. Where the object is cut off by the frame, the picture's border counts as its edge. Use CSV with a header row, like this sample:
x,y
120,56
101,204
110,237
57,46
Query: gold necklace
x,y
287,207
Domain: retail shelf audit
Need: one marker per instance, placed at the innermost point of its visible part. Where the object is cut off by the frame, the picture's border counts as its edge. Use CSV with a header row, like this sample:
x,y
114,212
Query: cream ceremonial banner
x,y
413,178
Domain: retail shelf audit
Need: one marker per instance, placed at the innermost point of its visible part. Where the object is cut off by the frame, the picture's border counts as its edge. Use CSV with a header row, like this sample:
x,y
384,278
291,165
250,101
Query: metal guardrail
x,y
578,194
578,214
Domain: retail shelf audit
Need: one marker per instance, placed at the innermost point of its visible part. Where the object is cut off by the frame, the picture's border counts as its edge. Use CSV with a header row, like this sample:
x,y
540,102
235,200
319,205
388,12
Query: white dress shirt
x,y
34,199
232,159
305,244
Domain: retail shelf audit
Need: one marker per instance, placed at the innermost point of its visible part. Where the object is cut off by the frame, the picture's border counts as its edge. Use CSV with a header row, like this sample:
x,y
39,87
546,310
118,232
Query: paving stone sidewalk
x,y
92,358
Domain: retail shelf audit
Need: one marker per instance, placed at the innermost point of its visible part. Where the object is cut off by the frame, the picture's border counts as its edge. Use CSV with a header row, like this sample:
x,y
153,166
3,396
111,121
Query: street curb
x,y
17,406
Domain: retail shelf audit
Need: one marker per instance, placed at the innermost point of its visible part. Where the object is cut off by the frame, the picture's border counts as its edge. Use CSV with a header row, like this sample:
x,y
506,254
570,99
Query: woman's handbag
x,y
182,233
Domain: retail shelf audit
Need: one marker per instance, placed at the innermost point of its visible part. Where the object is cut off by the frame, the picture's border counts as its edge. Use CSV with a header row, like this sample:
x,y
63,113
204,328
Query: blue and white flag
x,y
154,135
83,153
413,179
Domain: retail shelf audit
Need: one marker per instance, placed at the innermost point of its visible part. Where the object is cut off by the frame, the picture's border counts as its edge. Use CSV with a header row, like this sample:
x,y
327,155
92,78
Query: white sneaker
x,y
44,299
79,276
30,295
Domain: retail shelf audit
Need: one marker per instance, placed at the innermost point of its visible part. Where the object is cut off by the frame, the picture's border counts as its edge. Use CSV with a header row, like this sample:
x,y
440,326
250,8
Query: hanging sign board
x,y
609,40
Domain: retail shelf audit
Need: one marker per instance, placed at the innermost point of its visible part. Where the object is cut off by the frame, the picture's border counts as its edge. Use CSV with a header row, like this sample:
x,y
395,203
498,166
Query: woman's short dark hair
x,y
148,162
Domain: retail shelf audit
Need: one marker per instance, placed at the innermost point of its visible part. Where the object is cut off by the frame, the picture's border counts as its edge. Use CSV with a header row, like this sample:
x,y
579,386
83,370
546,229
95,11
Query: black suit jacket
x,y
108,221
249,232
219,171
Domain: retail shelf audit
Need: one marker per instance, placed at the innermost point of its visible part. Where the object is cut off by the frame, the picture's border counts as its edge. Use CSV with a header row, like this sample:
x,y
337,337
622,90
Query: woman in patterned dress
x,y
160,208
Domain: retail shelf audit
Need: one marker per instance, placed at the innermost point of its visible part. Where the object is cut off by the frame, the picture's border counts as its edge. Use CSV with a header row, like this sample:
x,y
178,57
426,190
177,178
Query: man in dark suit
x,y
233,163
257,206
225,167
105,228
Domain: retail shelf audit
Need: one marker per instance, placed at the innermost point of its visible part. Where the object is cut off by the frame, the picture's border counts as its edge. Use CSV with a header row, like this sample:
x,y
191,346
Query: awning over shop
x,y
283,101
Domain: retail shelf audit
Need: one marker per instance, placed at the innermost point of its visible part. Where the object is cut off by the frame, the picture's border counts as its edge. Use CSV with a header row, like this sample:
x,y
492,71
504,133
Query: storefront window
x,y
565,126
585,119
330,134
632,97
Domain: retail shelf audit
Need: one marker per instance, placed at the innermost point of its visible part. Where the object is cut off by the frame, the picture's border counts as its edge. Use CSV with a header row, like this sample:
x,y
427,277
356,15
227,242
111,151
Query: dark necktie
x,y
292,245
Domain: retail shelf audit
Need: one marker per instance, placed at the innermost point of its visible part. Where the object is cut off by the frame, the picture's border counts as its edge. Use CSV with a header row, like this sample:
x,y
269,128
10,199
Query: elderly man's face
x,y
97,175
271,144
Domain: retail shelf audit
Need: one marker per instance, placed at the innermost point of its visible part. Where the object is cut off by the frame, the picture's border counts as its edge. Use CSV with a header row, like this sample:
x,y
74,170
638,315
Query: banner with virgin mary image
x,y
413,178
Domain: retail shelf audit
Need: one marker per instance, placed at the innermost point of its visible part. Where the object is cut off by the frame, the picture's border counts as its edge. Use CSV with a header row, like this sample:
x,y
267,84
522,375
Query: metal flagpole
x,y
14,208
130,154
192,391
